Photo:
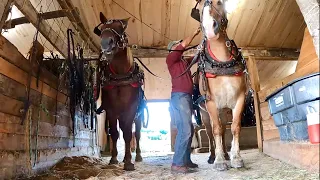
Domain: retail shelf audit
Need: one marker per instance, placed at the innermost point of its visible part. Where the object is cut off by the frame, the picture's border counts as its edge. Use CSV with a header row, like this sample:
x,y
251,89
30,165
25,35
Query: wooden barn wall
x,y
308,63
272,146
308,54
54,136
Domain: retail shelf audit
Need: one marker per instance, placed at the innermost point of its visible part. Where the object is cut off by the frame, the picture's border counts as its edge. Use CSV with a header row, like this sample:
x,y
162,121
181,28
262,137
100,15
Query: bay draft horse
x,y
121,80
223,84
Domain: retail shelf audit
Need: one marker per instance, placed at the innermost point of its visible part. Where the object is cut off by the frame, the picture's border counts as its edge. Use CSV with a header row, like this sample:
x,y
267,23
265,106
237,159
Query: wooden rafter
x,y
259,53
23,20
32,15
74,17
4,11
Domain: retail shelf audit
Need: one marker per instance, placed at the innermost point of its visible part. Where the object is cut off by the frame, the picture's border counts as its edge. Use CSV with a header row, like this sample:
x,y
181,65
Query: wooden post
x,y
4,11
255,85
310,12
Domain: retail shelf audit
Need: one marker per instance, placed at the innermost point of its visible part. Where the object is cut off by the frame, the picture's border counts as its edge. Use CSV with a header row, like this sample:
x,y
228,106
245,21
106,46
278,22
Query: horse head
x,y
112,34
214,19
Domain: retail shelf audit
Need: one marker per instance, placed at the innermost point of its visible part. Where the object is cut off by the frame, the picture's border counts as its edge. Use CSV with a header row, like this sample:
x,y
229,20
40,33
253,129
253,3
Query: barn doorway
x,y
156,138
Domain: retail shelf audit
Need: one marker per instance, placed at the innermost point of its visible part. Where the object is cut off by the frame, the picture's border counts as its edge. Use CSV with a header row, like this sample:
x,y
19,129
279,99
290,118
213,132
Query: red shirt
x,y
176,67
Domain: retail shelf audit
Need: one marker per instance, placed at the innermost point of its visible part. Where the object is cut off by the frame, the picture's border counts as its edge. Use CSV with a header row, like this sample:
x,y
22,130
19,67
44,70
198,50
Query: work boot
x,y
192,165
179,169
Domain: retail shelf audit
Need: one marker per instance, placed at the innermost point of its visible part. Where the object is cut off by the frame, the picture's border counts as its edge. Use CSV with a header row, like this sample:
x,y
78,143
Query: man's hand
x,y
189,39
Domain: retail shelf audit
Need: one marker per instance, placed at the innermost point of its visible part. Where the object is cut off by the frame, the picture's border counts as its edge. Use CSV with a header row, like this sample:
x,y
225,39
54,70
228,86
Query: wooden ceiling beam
x,y
4,12
32,15
276,54
23,20
74,17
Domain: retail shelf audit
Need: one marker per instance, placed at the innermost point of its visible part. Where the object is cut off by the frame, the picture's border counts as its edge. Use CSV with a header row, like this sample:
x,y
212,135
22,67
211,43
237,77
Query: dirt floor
x,y
257,166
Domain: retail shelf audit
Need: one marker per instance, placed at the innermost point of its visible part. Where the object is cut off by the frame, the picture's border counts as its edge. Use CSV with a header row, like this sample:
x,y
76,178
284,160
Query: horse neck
x,y
219,49
121,63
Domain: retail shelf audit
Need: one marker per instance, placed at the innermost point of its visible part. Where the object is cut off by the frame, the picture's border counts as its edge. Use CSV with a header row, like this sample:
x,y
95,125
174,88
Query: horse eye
x,y
219,3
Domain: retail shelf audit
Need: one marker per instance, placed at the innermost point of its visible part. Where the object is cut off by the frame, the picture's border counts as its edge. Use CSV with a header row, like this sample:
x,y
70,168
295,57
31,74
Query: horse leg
x,y
224,120
219,162
125,123
236,160
207,124
138,135
114,136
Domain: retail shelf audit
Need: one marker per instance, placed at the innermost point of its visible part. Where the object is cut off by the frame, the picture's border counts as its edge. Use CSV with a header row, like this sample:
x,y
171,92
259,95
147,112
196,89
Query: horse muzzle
x,y
108,46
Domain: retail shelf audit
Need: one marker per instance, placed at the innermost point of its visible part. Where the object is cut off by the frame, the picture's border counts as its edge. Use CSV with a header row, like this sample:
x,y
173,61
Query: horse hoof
x,y
138,158
220,166
237,163
129,167
113,161
211,160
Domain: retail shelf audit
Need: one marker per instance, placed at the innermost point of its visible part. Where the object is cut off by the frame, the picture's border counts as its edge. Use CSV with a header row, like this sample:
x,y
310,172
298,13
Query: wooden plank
x,y
270,134
272,87
4,12
264,110
174,18
310,12
308,53
10,53
146,10
13,142
300,155
31,14
268,125
275,54
11,106
255,85
20,76
23,20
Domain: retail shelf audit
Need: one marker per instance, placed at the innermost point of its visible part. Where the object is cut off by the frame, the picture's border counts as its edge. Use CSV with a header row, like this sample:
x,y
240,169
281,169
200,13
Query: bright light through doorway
x,y
157,138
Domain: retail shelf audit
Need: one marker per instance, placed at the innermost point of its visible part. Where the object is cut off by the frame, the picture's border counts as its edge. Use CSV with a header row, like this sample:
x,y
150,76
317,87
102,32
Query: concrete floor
x,y
257,166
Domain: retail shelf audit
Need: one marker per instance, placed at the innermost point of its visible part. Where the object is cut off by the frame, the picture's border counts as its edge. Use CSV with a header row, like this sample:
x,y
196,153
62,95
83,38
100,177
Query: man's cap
x,y
172,43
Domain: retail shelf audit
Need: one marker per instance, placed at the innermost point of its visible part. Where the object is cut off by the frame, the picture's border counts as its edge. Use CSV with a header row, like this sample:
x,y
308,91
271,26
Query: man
x,y
181,103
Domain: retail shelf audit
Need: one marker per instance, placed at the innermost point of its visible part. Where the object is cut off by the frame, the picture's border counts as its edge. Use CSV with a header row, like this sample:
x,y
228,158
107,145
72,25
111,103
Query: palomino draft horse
x,y
223,82
121,81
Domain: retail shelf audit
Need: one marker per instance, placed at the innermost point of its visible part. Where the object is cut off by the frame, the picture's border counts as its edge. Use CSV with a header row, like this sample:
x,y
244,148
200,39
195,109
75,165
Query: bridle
x,y
123,40
222,26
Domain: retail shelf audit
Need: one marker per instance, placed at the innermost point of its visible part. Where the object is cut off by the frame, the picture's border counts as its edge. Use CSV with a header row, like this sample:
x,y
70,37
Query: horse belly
x,y
226,90
122,99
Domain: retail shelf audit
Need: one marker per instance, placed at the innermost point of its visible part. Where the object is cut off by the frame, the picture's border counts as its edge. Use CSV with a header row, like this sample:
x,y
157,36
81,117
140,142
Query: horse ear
x,y
125,22
102,18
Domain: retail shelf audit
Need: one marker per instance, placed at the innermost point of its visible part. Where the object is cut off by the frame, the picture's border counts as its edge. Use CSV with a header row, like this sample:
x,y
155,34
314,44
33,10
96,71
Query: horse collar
x,y
114,72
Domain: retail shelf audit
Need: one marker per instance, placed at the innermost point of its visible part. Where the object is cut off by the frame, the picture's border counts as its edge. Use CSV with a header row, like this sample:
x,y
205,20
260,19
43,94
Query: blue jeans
x,y
181,104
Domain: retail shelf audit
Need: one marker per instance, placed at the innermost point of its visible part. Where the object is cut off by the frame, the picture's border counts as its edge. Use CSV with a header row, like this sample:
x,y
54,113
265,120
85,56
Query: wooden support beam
x,y
255,85
276,54
32,15
4,11
310,11
23,20
74,17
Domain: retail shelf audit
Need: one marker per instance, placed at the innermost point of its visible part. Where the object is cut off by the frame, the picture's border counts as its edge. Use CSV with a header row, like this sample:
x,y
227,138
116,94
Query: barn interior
x,y
40,137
